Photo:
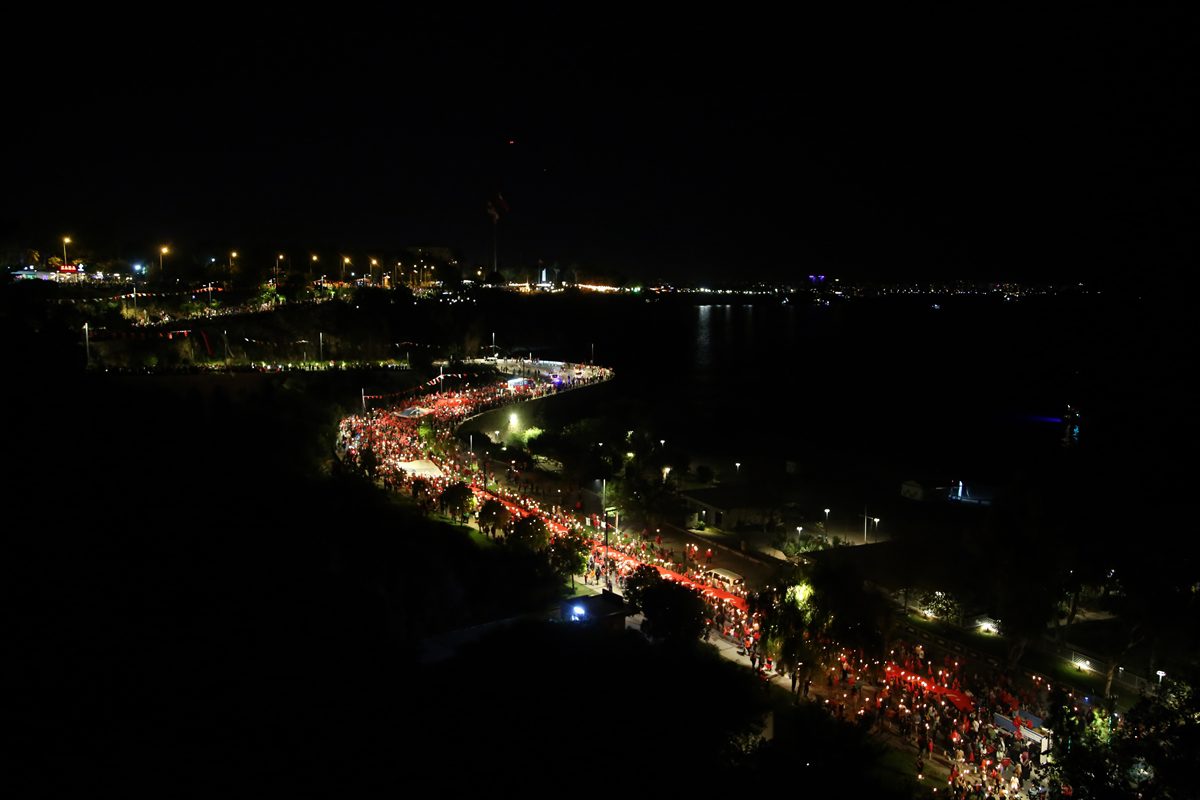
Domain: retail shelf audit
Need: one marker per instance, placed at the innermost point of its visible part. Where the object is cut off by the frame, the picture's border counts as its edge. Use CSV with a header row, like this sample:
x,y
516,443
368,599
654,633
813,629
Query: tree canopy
x,y
530,533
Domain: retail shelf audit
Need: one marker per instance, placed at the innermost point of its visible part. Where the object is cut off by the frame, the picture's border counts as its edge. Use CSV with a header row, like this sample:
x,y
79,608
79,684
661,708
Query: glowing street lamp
x,y
137,268
66,241
162,252
345,263
374,264
737,465
278,258
232,258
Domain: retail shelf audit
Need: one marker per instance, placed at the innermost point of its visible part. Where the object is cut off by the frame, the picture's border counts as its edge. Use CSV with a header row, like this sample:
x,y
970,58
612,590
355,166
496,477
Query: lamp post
x,y
374,264
66,241
737,465
162,252
345,262
867,519
278,258
232,258
607,552
314,261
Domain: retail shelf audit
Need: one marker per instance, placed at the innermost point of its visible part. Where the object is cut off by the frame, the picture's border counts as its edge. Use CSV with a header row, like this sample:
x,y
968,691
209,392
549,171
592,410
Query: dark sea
x,y
974,388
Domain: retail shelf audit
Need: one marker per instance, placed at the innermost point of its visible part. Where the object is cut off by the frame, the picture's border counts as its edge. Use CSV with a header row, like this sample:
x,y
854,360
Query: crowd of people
x,y
990,741
394,440
934,705
387,442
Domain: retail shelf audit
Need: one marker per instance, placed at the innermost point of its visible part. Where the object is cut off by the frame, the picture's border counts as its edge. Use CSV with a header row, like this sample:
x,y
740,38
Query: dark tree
x,y
568,557
458,500
843,607
493,515
1161,737
674,613
530,533
639,582
419,487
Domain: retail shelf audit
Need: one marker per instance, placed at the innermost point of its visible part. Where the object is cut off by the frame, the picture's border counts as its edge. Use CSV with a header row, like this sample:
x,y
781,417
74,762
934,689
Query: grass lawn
x,y
481,539
581,590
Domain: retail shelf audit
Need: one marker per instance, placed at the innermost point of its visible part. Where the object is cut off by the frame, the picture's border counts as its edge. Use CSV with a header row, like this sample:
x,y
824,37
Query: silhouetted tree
x,y
530,533
673,612
493,515
638,582
568,557
458,500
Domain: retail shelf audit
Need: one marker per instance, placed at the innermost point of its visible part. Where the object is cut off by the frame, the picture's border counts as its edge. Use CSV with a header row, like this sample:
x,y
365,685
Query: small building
x,y
606,610
731,507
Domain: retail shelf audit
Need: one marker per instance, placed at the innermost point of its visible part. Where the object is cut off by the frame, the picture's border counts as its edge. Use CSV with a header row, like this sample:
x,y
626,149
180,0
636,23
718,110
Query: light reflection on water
x,y
703,349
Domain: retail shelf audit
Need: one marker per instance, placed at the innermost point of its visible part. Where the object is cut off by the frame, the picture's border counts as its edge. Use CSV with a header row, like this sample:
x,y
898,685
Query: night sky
x,y
932,143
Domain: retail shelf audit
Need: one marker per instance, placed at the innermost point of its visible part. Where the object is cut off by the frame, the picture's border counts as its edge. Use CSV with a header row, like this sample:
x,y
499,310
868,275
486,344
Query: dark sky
x,y
925,144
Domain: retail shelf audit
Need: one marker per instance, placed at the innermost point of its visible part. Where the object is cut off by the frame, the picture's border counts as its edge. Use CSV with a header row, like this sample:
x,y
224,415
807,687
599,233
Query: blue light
x,y
578,610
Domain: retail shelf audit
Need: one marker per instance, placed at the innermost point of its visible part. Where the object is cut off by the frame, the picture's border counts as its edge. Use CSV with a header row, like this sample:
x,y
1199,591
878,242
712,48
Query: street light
x,y
374,264
345,262
827,522
162,252
232,258
607,552
66,241
278,258
737,465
